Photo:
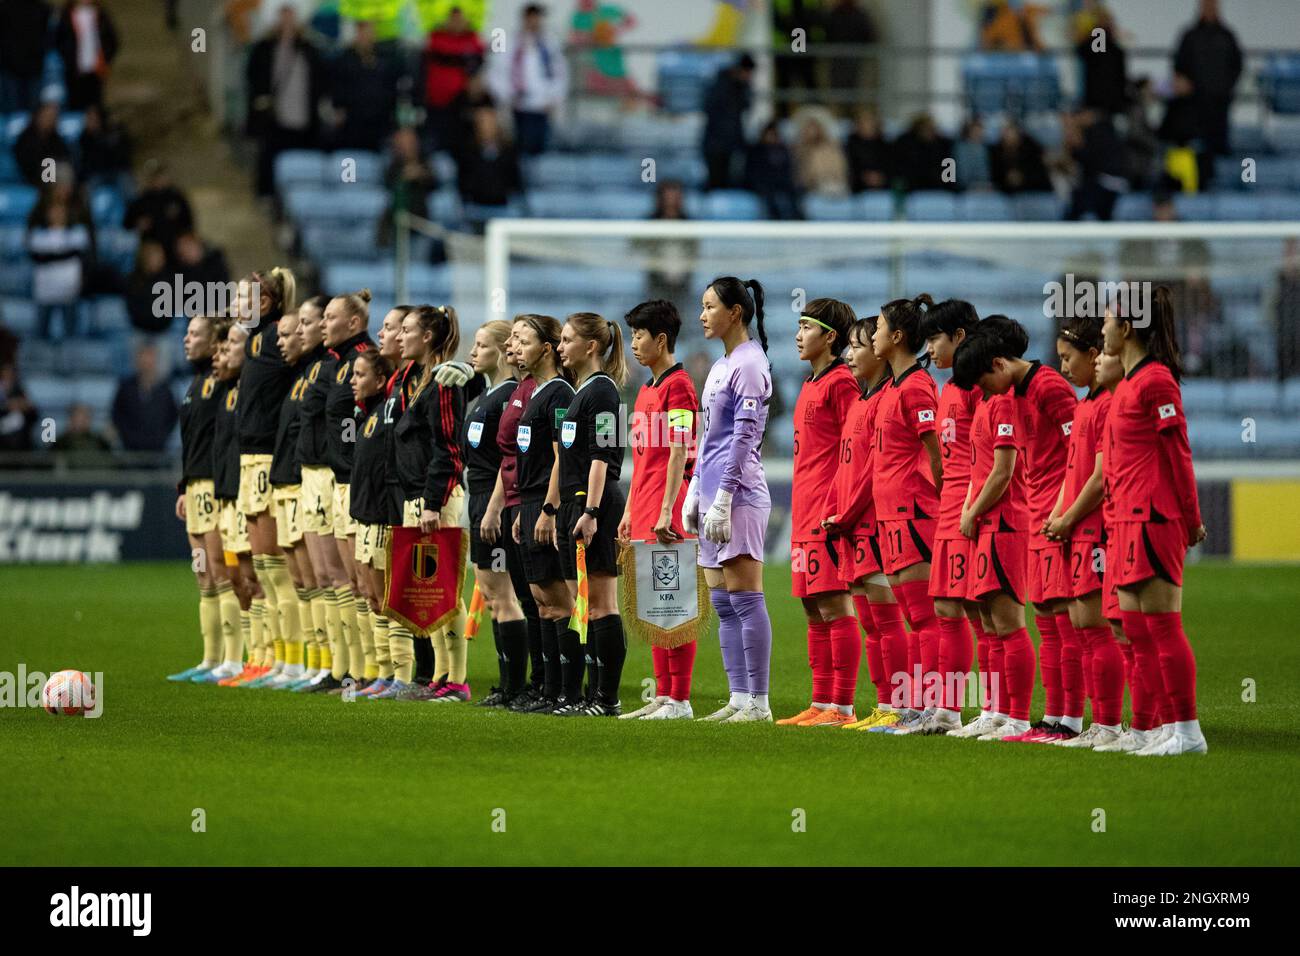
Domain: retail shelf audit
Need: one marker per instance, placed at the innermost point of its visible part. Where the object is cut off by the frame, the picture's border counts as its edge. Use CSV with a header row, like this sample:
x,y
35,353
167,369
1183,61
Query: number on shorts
x,y
262,478
206,504
956,566
1129,557
897,539
982,566
1076,565
859,553
1048,558
813,563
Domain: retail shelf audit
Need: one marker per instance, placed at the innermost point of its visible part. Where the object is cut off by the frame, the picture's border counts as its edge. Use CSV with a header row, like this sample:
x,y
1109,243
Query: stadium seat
x,y
1291,396
1283,209
1253,397
1204,396
1037,207
1216,438
296,167
830,208
13,241
875,206
1133,207
368,167
552,170
1276,437
930,206
108,315
1279,83
117,247
686,168
731,204
608,171
16,203
16,278
1014,83
985,207
427,283
107,206
1194,207
9,172
326,243
342,276
19,315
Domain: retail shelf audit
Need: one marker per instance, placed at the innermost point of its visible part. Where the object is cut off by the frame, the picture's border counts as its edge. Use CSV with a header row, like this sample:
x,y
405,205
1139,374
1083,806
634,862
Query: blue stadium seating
x,y
985,207
16,203
929,206
1194,205
367,166
1279,83
1204,396
1014,83
830,208
1133,207
1252,397
296,167
727,204
1037,207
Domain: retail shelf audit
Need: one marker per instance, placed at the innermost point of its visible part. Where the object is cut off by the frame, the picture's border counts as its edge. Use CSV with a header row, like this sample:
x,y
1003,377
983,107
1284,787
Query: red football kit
x,y
1001,531
1046,415
907,503
952,551
1087,538
850,495
664,416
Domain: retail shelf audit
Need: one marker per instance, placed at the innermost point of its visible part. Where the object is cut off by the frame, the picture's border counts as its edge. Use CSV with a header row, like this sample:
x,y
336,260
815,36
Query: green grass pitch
x,y
287,779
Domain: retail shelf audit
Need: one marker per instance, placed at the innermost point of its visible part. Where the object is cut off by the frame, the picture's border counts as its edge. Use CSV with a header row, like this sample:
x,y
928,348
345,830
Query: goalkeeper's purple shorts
x,y
748,531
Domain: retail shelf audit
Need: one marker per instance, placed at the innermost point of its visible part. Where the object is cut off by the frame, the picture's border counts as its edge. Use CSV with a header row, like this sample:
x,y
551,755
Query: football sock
x,y
1107,675
1072,688
275,572
999,699
552,674
755,636
241,638
891,689
846,661
379,627
401,645
319,619
1049,653
536,658
611,647
663,672
228,605
1018,672
366,628
457,647
591,657
954,660
210,625
572,659
1126,653
351,630
499,645
259,645
424,663
1087,669
730,640
759,701
983,644
822,663
514,638
922,641
1177,665
740,699
334,634
1146,682
681,664
872,649
441,659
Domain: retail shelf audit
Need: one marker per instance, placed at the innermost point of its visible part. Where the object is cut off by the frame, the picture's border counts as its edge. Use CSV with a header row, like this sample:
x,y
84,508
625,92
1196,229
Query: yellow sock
x,y
383,660
313,657
231,634
277,573
307,626
257,639
352,631
365,624
338,647
319,618
457,647
402,647
441,662
210,625
243,638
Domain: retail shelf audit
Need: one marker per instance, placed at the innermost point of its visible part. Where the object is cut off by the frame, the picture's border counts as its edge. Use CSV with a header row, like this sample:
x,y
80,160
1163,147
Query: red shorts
x,y
1149,549
950,571
865,560
1109,590
1087,567
1001,564
906,542
815,567
1049,578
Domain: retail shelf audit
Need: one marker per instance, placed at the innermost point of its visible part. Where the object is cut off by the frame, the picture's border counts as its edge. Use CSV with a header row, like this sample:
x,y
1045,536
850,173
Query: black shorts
x,y
602,552
515,557
480,552
541,561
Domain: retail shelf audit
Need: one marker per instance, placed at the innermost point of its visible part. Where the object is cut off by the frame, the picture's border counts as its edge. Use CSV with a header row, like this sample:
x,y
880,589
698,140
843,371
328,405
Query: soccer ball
x,y
69,693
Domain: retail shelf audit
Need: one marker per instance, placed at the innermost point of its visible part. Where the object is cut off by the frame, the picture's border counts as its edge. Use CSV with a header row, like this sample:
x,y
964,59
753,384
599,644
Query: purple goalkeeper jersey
x,y
738,390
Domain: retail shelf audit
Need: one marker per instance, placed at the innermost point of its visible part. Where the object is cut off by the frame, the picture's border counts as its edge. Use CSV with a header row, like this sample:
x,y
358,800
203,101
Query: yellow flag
x,y
578,621
477,605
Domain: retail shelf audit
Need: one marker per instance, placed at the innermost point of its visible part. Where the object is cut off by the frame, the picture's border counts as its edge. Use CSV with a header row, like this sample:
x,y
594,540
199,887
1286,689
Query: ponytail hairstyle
x,y
1012,335
547,328
318,302
279,285
499,329
441,322
908,316
1159,336
863,329
947,317
609,342
357,303
1083,332
731,292
379,364
834,316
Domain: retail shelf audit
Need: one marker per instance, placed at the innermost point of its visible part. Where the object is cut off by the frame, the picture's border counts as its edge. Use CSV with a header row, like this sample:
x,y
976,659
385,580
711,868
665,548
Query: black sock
x,y
514,641
500,644
550,660
423,660
611,645
592,652
533,625
573,660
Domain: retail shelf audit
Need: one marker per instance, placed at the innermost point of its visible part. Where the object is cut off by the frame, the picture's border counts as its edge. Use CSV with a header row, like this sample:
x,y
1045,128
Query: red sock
x,y
983,645
868,622
1089,672
1049,653
663,673
954,660
891,687
821,662
1145,681
681,663
1108,675
1072,692
1177,663
923,642
846,656
1126,652
1018,671
999,699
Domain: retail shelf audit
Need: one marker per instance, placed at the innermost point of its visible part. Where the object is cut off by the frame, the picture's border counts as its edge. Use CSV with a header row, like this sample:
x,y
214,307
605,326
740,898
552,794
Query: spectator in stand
x,y
87,41
1016,162
39,141
869,154
1010,26
488,168
160,212
454,54
363,93
1287,314
18,416
474,97
23,43
1207,65
284,79
409,179
532,77
726,102
195,261
847,22
1141,143
820,166
150,269
769,172
144,408
920,154
972,156
8,344
671,279
1098,154
1102,58
60,247
104,153
78,445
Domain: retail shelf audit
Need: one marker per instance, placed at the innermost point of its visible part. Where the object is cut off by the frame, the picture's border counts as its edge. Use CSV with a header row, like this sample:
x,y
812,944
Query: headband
x,y
809,318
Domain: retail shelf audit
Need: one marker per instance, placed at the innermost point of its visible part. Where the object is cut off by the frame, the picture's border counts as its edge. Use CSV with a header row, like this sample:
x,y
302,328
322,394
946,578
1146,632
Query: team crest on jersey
x,y
525,437
475,434
315,370
256,346
1005,430
749,404
341,375
1065,427
568,432
371,422
232,399
925,415
1167,411
208,385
